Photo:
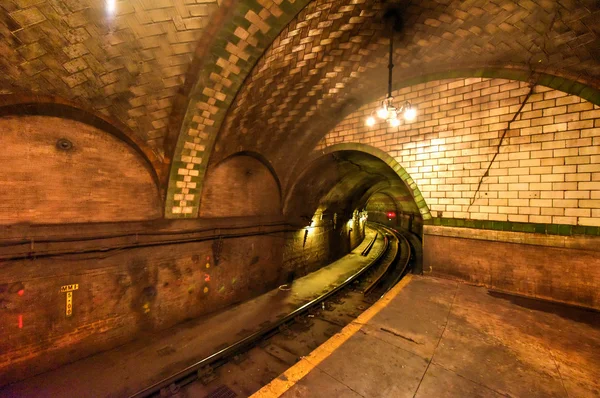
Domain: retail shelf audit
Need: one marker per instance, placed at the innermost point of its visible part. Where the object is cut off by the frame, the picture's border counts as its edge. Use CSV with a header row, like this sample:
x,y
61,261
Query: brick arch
x,y
241,32
42,105
387,159
241,185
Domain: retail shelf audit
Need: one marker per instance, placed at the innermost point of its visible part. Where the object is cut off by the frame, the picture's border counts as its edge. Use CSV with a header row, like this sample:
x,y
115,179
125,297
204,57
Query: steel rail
x,y
367,249
249,341
381,278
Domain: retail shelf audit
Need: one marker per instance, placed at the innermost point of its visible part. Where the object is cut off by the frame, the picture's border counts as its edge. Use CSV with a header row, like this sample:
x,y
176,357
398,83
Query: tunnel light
x,y
111,6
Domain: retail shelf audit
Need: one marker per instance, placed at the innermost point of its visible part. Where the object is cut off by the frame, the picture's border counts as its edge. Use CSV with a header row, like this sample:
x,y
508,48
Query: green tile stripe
x,y
290,9
547,229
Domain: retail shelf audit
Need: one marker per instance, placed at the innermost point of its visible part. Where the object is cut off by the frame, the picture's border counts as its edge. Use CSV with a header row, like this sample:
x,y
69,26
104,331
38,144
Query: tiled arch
x,y
248,29
387,159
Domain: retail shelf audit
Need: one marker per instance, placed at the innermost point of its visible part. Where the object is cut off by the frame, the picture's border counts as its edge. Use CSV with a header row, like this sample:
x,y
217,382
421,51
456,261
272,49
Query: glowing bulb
x,y
410,114
395,122
382,112
370,121
111,6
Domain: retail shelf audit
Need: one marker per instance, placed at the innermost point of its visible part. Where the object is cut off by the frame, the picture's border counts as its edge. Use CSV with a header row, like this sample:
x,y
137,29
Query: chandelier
x,y
388,111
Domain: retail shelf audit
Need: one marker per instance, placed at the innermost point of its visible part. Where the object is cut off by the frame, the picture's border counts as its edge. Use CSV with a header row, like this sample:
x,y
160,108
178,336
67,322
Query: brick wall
x,y
548,169
565,269
99,179
307,250
122,293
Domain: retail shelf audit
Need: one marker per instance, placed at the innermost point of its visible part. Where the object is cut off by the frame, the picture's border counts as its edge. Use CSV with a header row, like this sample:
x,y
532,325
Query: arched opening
x,y
337,186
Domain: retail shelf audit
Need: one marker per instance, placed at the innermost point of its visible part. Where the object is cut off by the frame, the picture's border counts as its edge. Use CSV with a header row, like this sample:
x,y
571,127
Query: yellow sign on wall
x,y
69,289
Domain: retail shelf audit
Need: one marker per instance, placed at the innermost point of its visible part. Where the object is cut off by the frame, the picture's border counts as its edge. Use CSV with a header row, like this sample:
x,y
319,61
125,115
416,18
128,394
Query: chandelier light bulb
x,y
394,122
370,121
382,112
410,114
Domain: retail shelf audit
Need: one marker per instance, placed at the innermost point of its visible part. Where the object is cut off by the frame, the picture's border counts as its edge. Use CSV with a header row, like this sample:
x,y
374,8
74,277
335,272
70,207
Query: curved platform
x,y
431,337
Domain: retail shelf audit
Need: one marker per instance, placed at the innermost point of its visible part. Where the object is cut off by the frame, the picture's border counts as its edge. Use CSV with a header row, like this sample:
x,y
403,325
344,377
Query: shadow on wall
x,y
241,185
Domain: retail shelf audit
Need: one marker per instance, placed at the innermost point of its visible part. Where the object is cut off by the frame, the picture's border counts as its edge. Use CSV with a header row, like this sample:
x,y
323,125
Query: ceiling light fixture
x,y
388,111
111,6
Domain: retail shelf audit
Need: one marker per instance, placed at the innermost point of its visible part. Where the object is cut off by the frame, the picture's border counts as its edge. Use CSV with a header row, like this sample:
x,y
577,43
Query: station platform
x,y
127,369
430,337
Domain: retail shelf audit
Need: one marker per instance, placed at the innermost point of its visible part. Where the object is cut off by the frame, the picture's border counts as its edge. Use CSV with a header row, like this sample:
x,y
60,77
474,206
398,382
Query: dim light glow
x,y
20,321
382,112
410,114
111,6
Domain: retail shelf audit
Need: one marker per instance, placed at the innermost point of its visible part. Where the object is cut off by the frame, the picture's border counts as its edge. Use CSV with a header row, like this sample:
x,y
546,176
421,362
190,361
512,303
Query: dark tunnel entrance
x,y
347,185
350,181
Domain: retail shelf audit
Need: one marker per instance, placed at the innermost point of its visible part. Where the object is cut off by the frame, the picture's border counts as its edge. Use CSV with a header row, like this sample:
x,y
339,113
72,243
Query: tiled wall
x,y
548,168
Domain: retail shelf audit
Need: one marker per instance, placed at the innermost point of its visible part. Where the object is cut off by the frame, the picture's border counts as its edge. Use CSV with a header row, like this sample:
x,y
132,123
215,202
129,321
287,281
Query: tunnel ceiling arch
x,y
342,182
187,78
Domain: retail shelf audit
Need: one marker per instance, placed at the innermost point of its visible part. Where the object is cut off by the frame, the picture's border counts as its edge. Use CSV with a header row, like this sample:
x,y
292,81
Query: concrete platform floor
x,y
438,338
127,369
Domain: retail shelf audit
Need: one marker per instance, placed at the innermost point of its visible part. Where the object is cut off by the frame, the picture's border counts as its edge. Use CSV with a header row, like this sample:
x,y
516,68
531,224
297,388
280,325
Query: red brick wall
x,y
100,179
325,242
240,186
121,294
566,274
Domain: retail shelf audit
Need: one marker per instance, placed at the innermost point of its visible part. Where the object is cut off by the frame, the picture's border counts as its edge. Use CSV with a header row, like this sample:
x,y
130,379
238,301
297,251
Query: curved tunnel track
x,y
252,362
397,261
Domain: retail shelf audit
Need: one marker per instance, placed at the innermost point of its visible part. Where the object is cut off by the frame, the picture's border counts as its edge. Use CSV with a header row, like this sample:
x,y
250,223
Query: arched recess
x,y
244,184
61,170
22,105
405,180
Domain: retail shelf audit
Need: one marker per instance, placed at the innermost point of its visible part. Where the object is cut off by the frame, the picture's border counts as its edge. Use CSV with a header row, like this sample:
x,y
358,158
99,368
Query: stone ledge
x,y
525,238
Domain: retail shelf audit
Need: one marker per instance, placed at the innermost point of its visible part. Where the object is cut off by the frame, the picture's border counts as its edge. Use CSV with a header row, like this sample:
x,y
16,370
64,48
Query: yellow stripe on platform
x,y
290,377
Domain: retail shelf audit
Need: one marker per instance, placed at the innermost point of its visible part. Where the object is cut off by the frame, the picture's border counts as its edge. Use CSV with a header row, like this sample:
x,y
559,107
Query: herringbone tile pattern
x,y
127,66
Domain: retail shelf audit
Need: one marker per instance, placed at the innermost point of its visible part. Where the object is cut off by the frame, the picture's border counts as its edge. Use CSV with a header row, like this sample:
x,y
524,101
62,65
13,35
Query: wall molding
x,y
581,242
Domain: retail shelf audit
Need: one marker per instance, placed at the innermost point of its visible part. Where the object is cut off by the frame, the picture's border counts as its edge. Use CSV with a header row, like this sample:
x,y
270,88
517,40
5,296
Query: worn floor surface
x,y
136,365
439,338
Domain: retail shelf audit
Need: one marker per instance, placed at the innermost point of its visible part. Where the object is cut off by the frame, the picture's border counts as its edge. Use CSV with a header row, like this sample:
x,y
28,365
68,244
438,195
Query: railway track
x,y
244,367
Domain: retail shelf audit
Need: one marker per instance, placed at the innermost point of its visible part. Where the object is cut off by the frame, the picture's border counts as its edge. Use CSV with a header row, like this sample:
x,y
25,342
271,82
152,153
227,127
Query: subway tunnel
x,y
300,198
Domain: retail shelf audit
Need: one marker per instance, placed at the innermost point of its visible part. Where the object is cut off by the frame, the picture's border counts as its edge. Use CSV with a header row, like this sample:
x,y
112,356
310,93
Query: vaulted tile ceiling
x,y
183,77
